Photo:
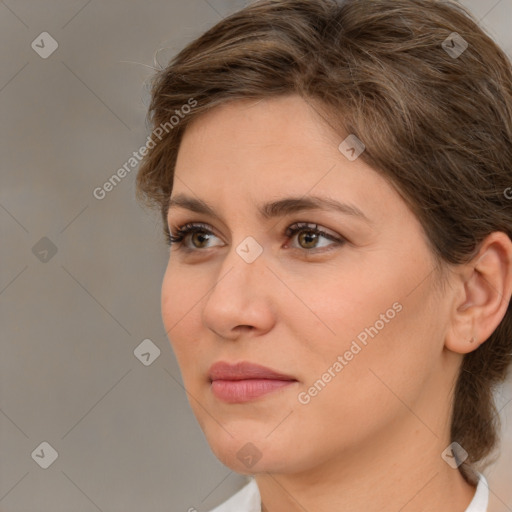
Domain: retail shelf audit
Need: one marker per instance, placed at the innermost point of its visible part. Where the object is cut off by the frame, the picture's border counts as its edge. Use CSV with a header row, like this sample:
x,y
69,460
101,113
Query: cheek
x,y
387,337
381,314
180,316
354,305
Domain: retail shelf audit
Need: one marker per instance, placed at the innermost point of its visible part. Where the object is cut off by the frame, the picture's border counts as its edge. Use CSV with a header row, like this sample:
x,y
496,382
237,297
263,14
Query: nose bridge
x,y
236,296
244,263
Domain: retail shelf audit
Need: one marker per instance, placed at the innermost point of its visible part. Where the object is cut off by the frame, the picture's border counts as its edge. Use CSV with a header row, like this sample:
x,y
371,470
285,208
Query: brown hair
x,y
438,126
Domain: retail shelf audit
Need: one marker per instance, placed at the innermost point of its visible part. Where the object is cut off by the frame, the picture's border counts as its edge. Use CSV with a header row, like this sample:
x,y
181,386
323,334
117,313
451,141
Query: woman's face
x,y
358,322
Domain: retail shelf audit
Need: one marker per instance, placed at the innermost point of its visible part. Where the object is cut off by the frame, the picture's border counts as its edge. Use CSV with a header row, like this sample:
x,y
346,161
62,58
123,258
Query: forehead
x,y
287,119
262,151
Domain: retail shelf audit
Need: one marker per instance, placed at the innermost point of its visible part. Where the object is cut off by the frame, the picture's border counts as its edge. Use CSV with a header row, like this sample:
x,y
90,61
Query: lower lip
x,y
238,391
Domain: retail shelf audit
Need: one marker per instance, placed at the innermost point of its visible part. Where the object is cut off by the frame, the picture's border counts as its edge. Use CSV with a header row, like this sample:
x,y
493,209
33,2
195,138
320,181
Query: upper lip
x,y
244,370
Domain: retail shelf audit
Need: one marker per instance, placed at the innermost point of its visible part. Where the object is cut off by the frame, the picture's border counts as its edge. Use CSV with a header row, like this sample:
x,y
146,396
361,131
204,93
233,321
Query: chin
x,y
254,452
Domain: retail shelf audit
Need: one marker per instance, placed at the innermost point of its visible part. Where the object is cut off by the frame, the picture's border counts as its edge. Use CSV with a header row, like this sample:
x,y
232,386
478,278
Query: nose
x,y
240,297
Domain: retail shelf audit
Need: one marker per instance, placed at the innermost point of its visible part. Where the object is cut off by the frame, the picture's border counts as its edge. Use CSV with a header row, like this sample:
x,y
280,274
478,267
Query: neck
x,y
400,469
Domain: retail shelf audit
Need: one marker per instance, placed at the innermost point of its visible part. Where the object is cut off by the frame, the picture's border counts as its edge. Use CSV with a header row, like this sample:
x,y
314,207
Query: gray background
x,y
125,435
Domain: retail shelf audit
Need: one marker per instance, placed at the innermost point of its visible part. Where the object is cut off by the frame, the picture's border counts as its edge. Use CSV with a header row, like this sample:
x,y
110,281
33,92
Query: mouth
x,y
244,381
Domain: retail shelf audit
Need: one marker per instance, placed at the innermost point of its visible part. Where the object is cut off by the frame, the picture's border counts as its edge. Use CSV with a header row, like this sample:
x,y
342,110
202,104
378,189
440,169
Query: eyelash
x,y
191,228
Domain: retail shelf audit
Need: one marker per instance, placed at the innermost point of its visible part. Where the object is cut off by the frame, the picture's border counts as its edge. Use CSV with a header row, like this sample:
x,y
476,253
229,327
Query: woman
x,y
332,178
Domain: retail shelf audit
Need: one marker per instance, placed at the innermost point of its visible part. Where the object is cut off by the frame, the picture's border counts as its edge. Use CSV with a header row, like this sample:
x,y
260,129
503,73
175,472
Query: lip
x,y
244,381
244,370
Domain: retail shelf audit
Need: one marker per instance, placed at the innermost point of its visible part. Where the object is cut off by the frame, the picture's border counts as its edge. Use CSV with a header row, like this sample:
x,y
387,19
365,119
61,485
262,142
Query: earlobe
x,y
485,290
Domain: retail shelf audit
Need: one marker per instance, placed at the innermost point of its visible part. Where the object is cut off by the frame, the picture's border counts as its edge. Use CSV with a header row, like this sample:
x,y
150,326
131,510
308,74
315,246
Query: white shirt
x,y
248,499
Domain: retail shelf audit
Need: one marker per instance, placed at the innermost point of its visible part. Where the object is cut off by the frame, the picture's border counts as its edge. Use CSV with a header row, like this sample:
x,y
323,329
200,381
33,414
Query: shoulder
x,y
247,499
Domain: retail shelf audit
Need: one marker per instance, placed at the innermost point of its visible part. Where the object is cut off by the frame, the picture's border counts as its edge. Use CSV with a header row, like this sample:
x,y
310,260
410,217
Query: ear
x,y
482,295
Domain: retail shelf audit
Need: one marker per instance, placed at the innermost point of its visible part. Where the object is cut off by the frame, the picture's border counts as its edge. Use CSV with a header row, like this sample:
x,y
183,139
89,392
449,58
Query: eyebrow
x,y
273,209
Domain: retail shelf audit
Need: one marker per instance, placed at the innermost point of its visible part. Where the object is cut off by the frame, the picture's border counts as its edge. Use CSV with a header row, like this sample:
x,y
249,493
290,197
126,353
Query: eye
x,y
199,234
310,234
192,229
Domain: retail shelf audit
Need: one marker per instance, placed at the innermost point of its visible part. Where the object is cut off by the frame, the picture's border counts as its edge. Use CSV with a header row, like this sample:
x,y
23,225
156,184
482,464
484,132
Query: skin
x,y
372,439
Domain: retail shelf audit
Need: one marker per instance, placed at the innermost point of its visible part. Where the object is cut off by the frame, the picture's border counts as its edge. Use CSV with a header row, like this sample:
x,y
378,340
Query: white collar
x,y
480,500
248,498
